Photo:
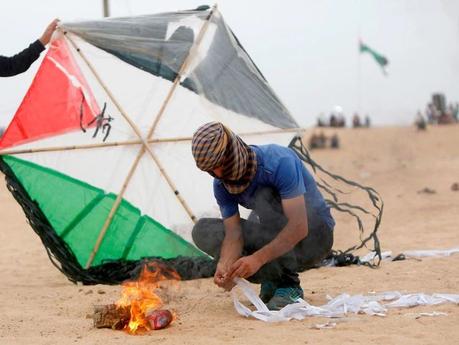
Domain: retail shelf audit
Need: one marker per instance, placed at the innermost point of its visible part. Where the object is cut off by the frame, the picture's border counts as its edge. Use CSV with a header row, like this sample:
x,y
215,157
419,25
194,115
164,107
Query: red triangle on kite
x,y
58,101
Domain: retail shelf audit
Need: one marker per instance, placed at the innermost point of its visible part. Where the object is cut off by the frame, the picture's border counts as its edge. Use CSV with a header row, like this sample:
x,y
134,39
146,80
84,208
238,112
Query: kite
x,y
98,153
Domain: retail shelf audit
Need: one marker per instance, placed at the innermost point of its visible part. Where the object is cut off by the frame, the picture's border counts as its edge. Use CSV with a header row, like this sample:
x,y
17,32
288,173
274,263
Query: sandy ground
x,y
40,306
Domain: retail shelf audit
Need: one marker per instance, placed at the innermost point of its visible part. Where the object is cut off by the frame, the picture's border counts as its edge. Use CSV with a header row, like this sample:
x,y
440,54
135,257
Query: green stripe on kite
x,y
77,212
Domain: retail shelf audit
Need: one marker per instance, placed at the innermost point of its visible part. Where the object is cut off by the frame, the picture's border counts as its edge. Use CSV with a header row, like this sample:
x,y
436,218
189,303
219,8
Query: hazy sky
x,y
308,50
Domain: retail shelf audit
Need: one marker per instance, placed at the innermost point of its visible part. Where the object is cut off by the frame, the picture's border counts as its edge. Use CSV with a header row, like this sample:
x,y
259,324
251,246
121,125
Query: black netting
x,y
333,186
110,272
117,271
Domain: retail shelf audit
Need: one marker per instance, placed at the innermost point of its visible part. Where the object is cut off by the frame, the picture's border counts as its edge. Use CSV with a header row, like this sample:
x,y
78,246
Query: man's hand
x,y
46,37
245,267
231,251
222,279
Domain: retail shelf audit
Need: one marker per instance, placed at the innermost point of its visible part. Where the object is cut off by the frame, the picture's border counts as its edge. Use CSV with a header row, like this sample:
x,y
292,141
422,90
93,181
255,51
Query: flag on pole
x,y
380,59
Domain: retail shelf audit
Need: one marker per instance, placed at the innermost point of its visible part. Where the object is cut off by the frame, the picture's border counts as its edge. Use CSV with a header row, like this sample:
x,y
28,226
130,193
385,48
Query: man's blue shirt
x,y
280,168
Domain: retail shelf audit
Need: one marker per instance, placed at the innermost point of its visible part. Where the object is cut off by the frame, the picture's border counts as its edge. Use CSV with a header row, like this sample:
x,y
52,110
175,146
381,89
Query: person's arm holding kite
x,y
19,63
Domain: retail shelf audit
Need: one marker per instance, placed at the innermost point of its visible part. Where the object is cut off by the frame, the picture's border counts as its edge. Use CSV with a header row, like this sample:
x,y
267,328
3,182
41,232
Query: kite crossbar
x,y
133,142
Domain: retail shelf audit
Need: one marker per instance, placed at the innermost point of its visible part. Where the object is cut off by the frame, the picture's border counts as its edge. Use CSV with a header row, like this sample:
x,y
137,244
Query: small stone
x,y
427,190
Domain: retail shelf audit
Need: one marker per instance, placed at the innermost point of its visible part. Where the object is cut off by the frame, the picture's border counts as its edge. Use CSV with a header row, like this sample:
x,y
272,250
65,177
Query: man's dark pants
x,y
263,225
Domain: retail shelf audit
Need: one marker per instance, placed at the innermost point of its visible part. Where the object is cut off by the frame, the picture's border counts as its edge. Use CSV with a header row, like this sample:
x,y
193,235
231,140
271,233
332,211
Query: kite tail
x,y
346,257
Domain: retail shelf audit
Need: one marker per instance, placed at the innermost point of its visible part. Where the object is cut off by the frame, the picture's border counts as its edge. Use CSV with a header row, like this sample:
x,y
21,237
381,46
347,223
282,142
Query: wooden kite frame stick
x,y
120,195
109,93
133,142
144,147
69,148
113,210
185,63
136,130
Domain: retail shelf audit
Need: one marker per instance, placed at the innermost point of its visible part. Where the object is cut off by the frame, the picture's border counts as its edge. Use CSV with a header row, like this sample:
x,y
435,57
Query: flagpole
x,y
359,59
106,7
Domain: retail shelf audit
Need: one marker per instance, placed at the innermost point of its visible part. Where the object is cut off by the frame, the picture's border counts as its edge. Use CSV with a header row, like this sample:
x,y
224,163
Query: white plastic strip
x,y
434,313
430,253
337,307
387,255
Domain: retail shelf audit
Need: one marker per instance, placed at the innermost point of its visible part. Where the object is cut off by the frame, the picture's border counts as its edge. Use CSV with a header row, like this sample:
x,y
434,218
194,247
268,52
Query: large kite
x,y
100,146
98,153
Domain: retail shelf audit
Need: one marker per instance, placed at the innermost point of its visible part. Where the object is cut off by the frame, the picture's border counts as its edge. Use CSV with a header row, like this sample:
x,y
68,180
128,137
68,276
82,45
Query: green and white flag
x,y
380,59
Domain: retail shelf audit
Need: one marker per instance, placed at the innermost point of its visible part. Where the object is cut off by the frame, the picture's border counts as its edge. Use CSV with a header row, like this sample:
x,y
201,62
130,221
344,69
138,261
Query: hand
x,y
221,278
46,37
245,267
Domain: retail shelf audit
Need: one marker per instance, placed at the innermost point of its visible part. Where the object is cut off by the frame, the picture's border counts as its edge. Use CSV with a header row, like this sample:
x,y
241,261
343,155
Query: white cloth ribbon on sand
x,y
410,254
430,253
337,307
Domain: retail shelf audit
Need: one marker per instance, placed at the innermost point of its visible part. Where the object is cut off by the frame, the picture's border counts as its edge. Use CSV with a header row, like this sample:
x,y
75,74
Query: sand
x,y
38,305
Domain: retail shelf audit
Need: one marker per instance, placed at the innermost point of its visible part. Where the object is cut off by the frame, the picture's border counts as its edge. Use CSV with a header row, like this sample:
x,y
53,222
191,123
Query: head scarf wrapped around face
x,y
215,146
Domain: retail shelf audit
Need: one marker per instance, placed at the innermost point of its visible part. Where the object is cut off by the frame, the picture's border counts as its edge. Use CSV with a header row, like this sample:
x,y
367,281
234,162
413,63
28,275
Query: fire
x,y
144,303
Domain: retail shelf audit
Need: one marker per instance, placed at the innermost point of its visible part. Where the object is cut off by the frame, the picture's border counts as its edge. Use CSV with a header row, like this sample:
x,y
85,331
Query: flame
x,y
141,297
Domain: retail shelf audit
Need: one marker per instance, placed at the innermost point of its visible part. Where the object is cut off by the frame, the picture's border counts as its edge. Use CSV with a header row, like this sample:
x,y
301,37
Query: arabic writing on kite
x,y
102,122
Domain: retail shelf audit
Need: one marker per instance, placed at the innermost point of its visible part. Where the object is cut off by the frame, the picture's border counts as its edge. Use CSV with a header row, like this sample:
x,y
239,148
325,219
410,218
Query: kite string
x,y
298,147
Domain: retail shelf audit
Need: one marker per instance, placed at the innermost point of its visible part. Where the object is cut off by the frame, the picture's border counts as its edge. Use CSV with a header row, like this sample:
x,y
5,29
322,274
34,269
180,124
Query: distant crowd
x,y
321,141
338,120
437,113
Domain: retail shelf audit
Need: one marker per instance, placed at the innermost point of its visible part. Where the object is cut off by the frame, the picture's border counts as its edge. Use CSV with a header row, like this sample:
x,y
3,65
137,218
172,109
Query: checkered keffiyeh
x,y
214,146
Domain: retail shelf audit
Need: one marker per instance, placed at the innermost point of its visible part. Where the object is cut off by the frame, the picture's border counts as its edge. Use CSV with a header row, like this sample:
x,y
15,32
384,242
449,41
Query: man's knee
x,y
200,231
268,207
268,195
314,248
208,234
